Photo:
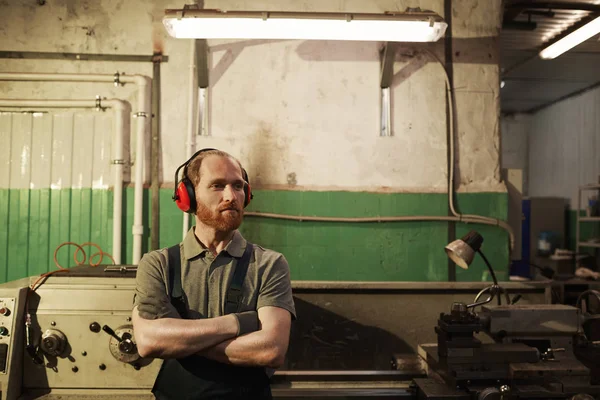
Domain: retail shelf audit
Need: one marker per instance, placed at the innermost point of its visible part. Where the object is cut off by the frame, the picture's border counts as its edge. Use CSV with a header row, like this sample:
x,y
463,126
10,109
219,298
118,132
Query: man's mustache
x,y
230,206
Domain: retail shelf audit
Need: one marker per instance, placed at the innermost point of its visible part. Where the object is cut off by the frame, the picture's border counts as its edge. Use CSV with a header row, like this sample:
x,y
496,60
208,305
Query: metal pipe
x,y
154,161
122,109
39,55
190,147
143,126
404,218
122,116
465,217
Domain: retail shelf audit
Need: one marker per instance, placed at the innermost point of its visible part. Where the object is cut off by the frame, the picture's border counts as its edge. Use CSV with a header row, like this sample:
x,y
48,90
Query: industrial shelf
x,y
590,187
589,219
589,244
585,242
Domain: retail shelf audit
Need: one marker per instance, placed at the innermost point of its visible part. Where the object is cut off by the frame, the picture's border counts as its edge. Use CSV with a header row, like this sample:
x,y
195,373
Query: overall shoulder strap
x,y
234,293
175,288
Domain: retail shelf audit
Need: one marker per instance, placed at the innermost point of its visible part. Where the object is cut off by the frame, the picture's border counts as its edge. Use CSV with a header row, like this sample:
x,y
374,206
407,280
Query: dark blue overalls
x,y
199,378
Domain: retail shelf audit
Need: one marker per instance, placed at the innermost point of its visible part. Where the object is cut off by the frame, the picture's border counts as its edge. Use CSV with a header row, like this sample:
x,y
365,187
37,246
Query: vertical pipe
x,y
143,124
202,82
202,125
154,150
449,120
120,117
190,145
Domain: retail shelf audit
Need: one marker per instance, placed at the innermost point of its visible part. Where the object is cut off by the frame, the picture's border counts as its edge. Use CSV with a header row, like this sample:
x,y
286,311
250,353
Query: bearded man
x,y
216,308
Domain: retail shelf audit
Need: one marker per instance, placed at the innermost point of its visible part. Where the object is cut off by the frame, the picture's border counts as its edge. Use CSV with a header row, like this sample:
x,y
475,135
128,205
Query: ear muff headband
x,y
248,196
184,194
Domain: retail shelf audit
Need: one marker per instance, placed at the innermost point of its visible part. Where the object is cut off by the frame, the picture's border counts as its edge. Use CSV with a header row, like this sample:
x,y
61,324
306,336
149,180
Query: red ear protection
x,y
184,194
185,198
247,189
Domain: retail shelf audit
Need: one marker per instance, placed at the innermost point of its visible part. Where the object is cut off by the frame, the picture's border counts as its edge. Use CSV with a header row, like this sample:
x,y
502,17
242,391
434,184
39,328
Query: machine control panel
x,y
7,304
83,336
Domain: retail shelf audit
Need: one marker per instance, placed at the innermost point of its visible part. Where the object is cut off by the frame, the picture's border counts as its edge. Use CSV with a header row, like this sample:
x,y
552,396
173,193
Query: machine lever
x,y
112,333
32,350
548,355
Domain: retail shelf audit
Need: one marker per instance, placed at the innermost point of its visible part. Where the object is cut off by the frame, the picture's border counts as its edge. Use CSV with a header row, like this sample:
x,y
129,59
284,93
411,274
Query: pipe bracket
x,y
99,104
117,81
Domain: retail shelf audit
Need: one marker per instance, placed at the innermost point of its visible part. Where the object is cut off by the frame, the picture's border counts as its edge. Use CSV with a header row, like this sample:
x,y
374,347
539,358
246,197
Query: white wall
x,y
308,108
56,149
564,147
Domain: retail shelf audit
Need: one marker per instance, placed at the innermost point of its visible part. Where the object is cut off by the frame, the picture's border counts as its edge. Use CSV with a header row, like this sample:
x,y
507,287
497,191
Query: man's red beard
x,y
219,220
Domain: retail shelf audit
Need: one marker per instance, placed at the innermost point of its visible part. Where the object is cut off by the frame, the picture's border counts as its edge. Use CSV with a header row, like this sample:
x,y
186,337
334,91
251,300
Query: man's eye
x,y
239,186
217,186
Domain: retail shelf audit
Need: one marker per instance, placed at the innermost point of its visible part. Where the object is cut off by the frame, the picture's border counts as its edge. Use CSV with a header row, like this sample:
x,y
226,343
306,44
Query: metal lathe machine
x,y
351,340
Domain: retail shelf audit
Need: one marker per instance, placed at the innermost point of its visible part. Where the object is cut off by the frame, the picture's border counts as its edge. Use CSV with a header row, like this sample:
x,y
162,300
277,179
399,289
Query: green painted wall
x,y
37,221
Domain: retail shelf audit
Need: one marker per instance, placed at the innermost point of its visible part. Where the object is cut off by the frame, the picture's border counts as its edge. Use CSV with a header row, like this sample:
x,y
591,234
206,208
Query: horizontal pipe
x,y
40,55
418,286
60,103
26,76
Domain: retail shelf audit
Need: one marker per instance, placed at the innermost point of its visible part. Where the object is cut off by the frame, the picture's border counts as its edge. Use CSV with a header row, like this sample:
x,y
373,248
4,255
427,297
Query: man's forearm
x,y
177,338
253,349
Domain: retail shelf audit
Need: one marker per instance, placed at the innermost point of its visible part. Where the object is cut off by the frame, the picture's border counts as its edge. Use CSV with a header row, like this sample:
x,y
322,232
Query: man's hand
x,y
266,347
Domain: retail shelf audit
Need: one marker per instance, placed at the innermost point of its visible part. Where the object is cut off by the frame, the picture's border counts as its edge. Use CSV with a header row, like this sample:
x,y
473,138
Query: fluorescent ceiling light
x,y
216,24
571,40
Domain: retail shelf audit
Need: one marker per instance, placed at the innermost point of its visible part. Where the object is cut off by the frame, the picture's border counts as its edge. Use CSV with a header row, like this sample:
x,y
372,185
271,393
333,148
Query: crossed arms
x,y
215,338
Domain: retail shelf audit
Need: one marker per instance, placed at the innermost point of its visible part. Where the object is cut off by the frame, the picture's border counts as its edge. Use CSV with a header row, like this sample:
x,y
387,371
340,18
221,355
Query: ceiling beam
x,y
575,6
555,39
562,98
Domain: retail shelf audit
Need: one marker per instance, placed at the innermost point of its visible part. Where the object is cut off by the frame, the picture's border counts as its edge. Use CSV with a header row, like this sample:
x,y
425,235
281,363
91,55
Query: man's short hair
x,y
193,167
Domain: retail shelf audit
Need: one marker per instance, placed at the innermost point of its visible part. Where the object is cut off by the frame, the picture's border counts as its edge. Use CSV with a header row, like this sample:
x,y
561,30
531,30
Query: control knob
x,y
122,343
53,342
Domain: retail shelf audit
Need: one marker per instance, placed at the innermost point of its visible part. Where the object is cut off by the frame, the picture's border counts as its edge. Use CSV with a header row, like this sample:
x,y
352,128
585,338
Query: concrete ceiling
x,y
531,83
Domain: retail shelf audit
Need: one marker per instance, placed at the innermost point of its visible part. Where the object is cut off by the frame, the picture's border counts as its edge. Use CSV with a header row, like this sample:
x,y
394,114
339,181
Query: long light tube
x,y
571,40
215,24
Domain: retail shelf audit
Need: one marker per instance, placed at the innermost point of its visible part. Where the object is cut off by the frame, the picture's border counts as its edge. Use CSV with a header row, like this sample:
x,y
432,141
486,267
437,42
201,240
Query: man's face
x,y
220,194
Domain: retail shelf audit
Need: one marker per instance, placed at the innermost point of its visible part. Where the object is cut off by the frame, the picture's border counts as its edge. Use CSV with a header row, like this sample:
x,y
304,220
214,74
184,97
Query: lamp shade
x,y
462,251
218,24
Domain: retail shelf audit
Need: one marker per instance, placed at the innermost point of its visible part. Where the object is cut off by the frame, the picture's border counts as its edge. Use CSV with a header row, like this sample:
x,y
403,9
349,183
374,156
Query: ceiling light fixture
x,y
411,26
571,40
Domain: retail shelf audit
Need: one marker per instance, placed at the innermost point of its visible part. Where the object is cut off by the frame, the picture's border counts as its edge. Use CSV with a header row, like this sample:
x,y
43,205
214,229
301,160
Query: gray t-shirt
x,y
205,279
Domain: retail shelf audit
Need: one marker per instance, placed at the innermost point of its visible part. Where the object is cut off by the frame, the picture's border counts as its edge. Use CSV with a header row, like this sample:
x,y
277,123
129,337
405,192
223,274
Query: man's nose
x,y
229,193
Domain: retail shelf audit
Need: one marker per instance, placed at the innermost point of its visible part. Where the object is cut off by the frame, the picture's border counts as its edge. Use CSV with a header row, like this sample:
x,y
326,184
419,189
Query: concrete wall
x,y
515,137
315,103
302,116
